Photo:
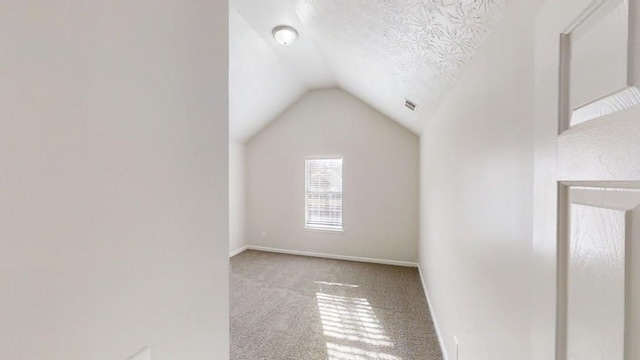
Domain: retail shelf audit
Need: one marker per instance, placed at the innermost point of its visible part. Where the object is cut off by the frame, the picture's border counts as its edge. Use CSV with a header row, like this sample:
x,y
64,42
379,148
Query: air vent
x,y
410,105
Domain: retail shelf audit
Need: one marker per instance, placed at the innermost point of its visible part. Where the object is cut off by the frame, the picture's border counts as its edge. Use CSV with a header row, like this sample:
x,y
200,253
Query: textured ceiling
x,y
260,85
382,51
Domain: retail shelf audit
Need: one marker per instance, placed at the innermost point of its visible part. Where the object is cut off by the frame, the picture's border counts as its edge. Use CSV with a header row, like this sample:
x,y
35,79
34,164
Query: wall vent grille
x,y
410,105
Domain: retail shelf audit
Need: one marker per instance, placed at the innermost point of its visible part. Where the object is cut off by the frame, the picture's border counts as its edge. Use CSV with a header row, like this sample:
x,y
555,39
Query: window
x,y
323,194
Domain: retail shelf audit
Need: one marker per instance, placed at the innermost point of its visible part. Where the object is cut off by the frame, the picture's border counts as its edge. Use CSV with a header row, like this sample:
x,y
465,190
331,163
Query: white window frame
x,y
331,229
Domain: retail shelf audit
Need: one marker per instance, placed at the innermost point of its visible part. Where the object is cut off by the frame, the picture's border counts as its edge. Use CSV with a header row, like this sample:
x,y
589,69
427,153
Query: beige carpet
x,y
294,307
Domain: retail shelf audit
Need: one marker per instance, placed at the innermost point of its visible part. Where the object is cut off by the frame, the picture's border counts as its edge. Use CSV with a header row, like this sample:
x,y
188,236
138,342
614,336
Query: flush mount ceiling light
x,y
284,35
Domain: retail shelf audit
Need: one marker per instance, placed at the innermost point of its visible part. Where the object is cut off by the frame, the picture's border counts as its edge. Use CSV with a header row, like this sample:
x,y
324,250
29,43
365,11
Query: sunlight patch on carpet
x,y
352,328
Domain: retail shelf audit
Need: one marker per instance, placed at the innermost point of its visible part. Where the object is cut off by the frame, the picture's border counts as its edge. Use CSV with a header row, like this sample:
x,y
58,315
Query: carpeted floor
x,y
288,307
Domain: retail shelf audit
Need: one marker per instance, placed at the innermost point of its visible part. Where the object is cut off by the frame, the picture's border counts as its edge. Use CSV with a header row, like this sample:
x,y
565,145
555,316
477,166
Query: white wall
x,y
114,181
380,179
545,205
476,198
237,196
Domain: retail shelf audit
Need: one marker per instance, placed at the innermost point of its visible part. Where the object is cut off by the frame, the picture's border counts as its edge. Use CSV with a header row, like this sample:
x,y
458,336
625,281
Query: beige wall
x,y
237,196
114,180
380,178
476,198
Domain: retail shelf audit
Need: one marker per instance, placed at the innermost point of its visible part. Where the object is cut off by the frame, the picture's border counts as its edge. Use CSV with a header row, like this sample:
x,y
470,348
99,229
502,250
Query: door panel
x,y
601,64
599,42
595,309
587,69
605,149
632,317
598,263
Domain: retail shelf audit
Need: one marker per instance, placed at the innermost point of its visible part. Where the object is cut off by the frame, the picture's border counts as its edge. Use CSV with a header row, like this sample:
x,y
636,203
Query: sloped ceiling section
x,y
382,51
260,85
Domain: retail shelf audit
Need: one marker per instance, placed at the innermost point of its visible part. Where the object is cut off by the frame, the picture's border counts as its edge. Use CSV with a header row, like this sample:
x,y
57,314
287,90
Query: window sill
x,y
337,231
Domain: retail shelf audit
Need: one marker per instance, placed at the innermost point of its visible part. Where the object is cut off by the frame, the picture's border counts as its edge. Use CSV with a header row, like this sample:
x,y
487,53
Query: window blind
x,y
324,193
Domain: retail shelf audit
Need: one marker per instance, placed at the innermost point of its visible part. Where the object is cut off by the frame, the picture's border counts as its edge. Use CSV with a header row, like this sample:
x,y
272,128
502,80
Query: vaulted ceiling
x,y
381,51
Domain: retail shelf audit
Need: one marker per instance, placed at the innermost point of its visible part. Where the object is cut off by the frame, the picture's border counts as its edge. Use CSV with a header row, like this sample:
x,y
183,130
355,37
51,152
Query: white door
x,y
588,64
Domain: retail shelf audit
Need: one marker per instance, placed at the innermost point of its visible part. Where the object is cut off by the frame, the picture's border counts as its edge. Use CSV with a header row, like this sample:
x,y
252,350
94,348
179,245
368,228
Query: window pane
x,y
324,193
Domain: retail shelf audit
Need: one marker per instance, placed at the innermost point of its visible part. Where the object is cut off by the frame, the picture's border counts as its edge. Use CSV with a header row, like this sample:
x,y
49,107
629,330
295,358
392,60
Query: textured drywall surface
x,y
114,181
380,179
380,51
384,51
237,195
261,85
476,198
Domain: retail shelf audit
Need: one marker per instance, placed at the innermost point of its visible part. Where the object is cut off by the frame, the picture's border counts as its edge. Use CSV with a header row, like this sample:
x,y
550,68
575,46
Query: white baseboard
x,y
445,356
236,252
333,256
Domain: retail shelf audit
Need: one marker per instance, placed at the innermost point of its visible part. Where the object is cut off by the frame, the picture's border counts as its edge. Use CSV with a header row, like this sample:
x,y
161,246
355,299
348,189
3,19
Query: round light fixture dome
x,y
285,35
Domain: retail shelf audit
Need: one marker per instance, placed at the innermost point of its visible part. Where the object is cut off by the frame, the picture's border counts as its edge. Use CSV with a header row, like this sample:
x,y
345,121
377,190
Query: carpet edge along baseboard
x,y
323,255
